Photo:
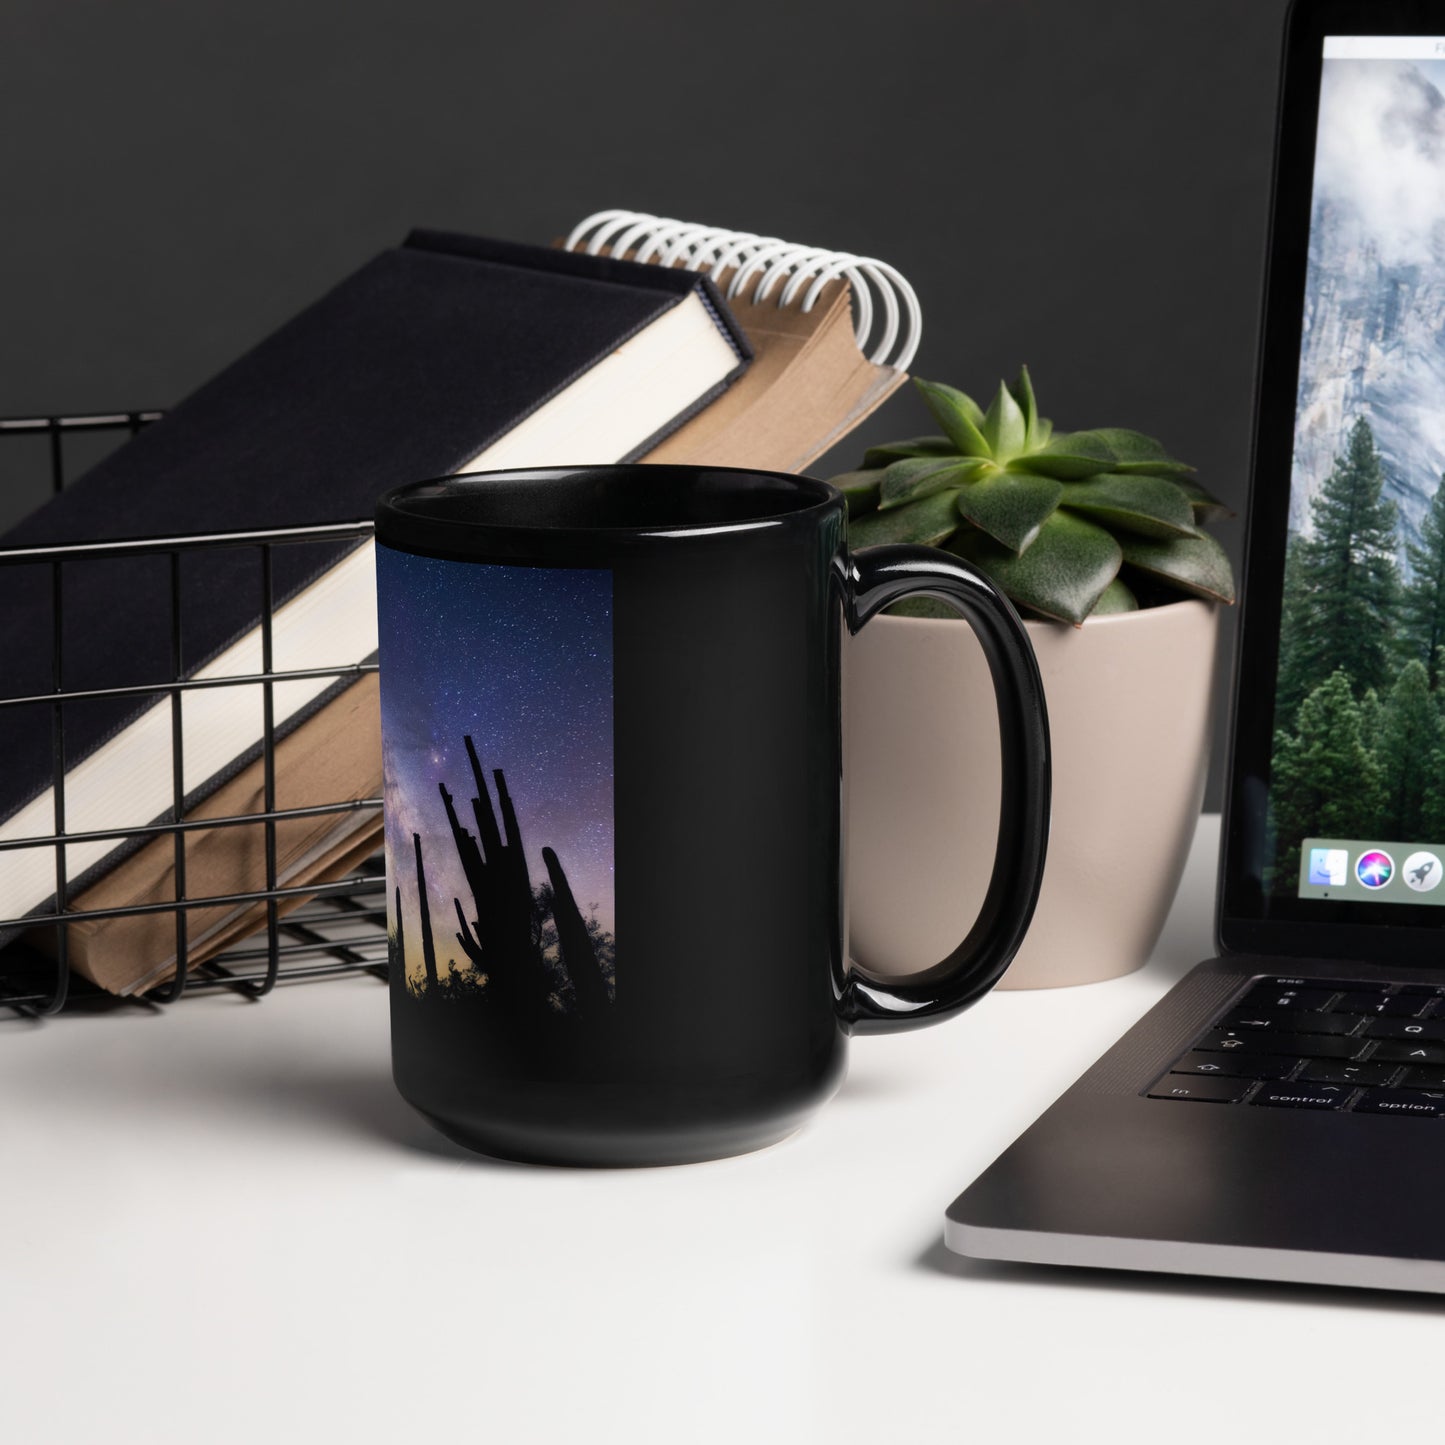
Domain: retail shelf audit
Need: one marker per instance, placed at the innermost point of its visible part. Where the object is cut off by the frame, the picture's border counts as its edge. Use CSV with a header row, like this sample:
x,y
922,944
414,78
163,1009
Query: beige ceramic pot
x,y
1129,716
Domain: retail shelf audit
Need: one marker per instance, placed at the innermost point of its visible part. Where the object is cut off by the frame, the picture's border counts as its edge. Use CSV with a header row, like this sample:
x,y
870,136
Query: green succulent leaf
x,y
955,398
1135,452
1070,456
1051,517
860,490
1207,507
915,477
880,456
1075,455
1116,597
928,521
1004,426
1010,506
1153,506
957,414
1063,574
1192,564
1023,393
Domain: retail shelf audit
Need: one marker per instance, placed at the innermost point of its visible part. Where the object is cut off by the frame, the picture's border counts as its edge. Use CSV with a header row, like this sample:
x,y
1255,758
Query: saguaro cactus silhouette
x,y
503,940
428,947
399,957
500,940
579,958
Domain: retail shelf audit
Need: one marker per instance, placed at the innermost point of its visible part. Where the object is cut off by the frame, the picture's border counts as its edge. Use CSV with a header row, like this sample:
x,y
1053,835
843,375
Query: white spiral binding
x,y
770,264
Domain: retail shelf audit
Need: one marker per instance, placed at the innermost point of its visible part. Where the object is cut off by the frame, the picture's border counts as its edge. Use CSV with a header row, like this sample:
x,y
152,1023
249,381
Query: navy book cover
x,y
406,369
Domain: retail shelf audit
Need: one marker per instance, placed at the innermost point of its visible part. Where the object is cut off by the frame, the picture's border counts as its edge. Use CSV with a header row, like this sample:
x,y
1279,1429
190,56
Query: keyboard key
x,y
1421,1104
1404,1052
1428,1033
1390,1006
1272,995
1208,1091
1327,1072
1298,1043
1269,1041
1291,1021
1303,1096
1405,1006
1235,1066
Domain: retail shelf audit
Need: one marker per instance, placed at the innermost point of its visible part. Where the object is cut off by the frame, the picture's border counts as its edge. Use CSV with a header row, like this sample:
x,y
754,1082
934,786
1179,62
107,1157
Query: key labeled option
x,y
1418,1103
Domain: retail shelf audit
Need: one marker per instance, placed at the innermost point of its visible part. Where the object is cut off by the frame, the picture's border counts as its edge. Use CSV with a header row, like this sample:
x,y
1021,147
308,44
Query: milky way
x,y
520,658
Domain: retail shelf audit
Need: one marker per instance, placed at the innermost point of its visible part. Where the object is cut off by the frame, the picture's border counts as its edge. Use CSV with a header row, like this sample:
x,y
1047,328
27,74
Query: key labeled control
x,y
1303,1096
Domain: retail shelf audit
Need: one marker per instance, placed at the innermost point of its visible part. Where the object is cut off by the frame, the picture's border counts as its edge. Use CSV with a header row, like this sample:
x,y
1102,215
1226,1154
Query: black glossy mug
x,y
612,739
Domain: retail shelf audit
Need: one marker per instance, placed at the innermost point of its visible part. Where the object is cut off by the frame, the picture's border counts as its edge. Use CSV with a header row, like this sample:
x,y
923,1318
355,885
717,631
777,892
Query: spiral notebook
x,y
832,335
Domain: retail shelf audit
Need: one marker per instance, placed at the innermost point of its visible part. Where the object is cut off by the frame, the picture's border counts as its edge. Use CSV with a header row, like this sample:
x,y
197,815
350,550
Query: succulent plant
x,y
1068,525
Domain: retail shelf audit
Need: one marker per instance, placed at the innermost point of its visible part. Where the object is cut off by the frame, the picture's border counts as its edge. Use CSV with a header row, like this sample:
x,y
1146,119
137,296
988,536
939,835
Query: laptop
x,y
1280,1114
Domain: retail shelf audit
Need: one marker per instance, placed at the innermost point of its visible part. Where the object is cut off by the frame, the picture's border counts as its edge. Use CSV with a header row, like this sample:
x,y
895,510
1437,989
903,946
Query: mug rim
x,y
412,516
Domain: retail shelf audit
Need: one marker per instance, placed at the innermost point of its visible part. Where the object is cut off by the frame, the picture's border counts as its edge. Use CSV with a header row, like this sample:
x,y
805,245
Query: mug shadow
x,y
361,1102
938,1259
865,1085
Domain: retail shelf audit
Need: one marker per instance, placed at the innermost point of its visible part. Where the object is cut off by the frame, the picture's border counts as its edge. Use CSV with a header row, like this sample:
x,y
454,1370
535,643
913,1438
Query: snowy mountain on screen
x,y
1374,330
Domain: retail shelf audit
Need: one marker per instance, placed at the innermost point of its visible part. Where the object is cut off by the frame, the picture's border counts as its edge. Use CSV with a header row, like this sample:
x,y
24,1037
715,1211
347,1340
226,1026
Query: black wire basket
x,y
339,930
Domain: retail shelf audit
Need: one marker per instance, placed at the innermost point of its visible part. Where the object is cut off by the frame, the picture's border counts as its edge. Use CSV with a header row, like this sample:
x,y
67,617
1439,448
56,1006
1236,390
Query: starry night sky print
x,y
520,658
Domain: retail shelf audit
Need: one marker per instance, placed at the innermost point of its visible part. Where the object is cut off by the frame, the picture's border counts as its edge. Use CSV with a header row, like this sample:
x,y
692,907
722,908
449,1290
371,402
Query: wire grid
x,y
342,930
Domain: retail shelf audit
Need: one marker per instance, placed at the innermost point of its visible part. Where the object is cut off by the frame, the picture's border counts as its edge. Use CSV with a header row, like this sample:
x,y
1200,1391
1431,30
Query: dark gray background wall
x,y
1078,184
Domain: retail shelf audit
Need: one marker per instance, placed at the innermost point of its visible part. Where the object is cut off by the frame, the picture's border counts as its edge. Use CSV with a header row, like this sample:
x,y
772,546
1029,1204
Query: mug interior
x,y
630,498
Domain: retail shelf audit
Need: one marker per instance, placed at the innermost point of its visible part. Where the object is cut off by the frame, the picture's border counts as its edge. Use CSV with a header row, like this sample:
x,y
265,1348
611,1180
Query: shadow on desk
x,y
939,1259
361,1102
367,1105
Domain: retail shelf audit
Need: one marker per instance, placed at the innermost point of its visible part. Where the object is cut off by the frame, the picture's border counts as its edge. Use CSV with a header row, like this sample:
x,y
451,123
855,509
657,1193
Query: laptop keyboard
x,y
1298,1043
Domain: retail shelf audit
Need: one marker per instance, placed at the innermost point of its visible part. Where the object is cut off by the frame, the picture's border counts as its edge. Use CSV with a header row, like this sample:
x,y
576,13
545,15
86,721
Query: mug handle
x,y
875,578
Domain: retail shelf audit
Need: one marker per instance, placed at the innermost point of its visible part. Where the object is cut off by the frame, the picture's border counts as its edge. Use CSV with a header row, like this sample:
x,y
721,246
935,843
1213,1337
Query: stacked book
x,y
636,339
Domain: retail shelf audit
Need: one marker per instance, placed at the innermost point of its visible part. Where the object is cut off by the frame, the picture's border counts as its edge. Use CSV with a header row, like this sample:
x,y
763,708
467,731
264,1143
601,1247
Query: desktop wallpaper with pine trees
x,y
1359,743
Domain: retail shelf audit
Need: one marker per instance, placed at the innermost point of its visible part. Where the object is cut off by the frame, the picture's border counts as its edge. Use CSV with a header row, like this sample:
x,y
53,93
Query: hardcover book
x,y
441,355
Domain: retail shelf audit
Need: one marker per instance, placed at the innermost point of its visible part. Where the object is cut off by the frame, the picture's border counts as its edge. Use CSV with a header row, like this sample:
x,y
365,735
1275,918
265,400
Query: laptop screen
x,y
1356,777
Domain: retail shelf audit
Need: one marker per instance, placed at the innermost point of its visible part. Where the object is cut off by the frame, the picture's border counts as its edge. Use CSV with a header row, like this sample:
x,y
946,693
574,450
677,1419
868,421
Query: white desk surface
x,y
220,1224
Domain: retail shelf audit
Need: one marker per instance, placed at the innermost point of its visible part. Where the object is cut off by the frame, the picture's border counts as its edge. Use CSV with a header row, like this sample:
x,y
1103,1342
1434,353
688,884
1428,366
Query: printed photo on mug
x,y
499,782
